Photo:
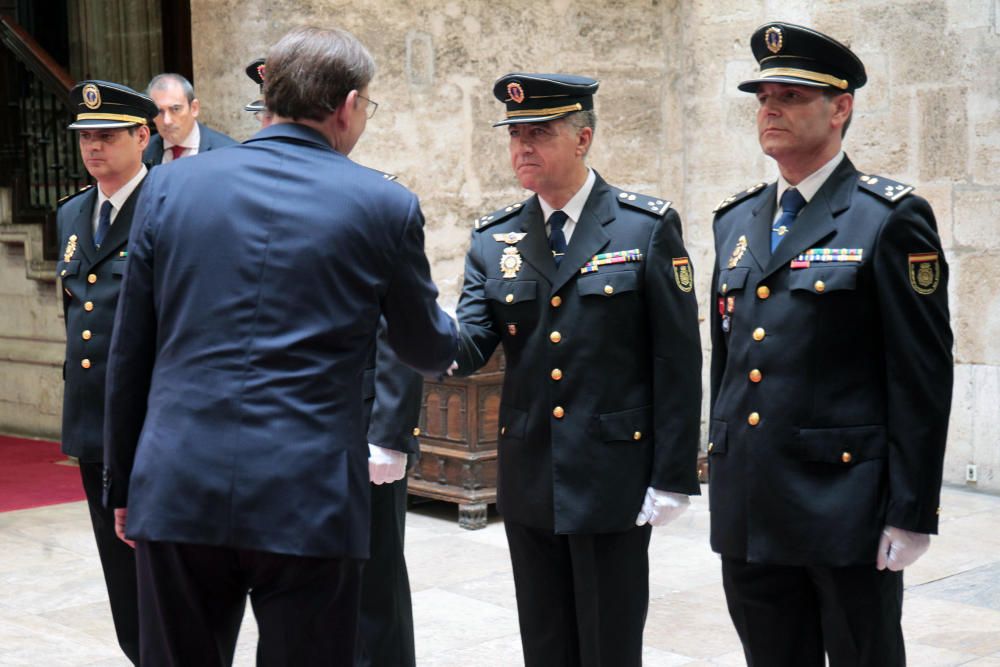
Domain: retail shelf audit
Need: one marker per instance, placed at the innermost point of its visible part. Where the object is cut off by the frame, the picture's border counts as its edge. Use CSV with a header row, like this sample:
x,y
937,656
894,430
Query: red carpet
x,y
33,473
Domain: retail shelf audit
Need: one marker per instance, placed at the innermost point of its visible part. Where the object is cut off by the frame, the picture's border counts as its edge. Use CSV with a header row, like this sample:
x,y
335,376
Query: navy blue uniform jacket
x,y
846,366
91,279
209,140
602,393
254,286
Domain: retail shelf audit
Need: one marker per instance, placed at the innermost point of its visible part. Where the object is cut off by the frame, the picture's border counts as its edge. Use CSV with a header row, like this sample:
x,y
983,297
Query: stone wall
x,y
671,122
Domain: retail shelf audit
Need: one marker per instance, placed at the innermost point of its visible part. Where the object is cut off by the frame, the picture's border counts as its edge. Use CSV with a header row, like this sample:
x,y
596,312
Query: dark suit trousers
x,y
791,616
117,561
192,596
386,625
581,599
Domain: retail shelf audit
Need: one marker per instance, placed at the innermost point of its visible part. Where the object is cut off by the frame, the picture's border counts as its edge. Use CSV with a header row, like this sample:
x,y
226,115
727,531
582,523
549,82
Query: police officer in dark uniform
x,y
113,126
392,393
590,290
831,376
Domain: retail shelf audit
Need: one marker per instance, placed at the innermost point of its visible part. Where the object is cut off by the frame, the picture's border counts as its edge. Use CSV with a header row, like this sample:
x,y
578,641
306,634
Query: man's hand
x,y
900,548
451,369
661,507
385,466
121,517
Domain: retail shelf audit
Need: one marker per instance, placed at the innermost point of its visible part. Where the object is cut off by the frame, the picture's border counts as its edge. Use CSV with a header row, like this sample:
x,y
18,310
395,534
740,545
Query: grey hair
x,y
163,81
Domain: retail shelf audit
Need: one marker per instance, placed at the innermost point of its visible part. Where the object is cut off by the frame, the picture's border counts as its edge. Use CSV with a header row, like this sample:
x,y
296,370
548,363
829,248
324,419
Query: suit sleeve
x,y
918,342
479,333
398,394
420,333
673,319
131,355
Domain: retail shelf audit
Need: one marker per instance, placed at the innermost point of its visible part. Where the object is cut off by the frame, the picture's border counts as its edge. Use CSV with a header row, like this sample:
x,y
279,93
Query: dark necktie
x,y
791,203
557,239
103,222
177,151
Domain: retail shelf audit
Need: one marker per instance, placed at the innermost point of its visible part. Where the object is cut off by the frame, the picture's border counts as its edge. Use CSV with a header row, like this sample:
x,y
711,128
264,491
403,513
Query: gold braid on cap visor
x,y
111,116
804,74
545,112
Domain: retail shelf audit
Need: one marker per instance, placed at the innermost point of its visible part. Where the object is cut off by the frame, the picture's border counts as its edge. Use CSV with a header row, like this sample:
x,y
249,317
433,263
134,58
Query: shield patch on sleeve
x,y
682,274
925,272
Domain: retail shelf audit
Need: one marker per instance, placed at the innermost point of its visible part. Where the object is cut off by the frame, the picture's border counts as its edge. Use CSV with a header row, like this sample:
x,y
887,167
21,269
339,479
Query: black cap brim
x,y
750,86
532,119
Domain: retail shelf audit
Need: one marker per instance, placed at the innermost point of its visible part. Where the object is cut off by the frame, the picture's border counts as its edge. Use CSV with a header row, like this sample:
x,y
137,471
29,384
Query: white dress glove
x,y
661,507
385,466
900,548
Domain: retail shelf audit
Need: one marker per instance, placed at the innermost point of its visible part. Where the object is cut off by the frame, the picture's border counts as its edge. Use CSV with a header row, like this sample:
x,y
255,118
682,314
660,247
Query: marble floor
x,y
53,609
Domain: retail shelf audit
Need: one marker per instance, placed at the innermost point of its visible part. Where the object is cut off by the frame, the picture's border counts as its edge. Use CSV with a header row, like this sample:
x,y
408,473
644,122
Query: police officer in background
x,y
831,376
392,393
112,123
590,291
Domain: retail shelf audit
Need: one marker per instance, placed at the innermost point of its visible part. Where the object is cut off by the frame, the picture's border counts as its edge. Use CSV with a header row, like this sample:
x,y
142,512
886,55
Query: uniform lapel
x,y
83,226
118,234
589,236
759,242
534,247
818,218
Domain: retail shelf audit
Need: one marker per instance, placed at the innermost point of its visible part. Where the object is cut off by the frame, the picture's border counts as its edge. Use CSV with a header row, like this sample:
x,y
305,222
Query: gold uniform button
x,y
756,376
846,457
556,301
89,306
85,363
86,334
637,435
558,412
509,298
753,419
725,287
763,292
555,336
819,286
608,289
759,333
710,446
416,430
92,278
556,374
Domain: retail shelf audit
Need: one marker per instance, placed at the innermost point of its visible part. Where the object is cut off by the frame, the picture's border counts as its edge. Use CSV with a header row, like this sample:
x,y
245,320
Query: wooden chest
x,y
458,442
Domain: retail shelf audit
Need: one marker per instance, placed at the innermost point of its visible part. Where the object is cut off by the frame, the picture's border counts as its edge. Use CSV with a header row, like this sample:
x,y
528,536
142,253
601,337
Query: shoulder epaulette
x,y
65,199
885,188
497,216
739,196
644,202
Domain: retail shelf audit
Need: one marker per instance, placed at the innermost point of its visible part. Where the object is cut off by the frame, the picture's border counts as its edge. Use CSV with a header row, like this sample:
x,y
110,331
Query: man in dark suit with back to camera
x,y
831,376
181,134
591,293
235,438
112,123
392,393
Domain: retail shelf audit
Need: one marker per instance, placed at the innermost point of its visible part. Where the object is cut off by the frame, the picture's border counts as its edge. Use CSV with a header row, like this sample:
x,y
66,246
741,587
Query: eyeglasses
x,y
372,105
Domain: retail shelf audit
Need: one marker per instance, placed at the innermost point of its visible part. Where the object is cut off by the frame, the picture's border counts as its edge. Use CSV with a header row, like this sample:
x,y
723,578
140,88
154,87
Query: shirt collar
x,y
811,184
190,141
119,198
574,207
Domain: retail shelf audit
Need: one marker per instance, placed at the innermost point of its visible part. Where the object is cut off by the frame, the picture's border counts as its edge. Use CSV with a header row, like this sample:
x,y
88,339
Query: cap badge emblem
x,y
91,96
774,39
515,91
